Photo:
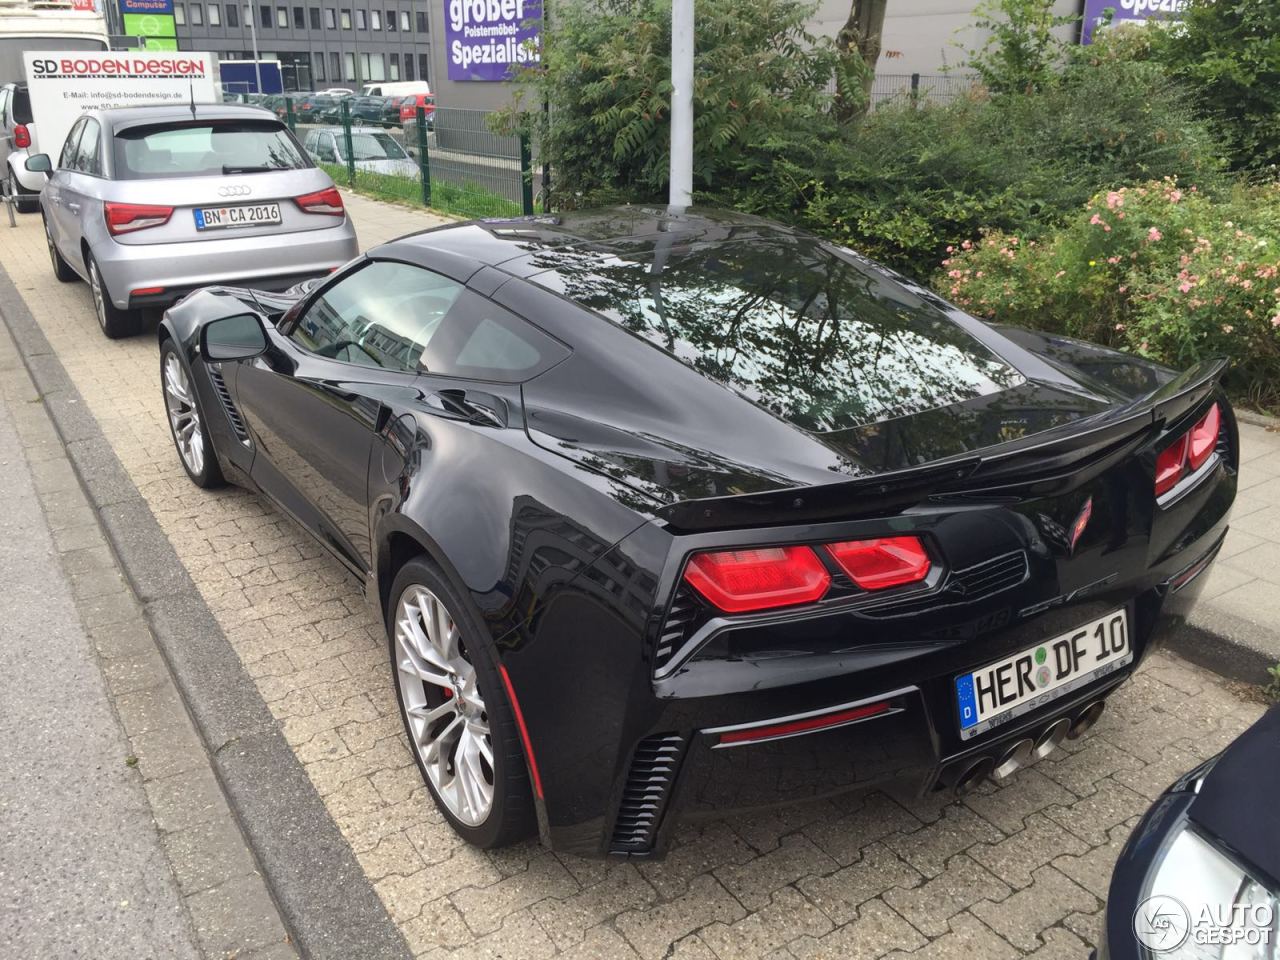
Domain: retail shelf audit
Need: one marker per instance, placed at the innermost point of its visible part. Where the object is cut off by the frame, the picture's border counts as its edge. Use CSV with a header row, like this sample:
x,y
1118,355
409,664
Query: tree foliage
x,y
1021,50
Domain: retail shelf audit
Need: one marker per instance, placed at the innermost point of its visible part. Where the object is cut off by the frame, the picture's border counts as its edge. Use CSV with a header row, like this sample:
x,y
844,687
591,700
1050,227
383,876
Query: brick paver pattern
x,y
1019,868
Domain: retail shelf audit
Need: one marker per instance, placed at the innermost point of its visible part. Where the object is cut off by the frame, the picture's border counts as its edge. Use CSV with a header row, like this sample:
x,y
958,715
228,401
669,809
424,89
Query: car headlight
x,y
1202,905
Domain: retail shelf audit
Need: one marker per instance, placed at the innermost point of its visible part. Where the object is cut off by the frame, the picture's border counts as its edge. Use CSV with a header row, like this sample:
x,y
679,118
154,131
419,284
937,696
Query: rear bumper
x,y
269,262
651,753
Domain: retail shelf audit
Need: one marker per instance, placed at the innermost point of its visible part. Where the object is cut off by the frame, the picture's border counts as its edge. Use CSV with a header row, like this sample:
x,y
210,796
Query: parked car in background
x,y
374,150
1210,843
17,138
409,114
396,88
337,91
310,107
674,514
150,203
380,110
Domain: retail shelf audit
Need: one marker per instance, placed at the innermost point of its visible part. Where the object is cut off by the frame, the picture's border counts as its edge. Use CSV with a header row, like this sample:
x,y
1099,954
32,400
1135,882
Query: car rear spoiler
x,y
1040,465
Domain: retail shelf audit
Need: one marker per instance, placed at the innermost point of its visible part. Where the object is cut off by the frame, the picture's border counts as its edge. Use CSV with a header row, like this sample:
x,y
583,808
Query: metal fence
x,y
444,158
931,87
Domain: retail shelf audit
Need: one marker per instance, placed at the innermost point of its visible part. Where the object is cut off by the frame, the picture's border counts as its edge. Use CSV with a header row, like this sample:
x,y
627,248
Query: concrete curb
x,y
328,905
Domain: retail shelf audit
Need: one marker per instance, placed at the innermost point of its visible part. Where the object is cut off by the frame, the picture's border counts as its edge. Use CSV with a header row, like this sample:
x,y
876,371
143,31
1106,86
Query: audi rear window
x,y
205,149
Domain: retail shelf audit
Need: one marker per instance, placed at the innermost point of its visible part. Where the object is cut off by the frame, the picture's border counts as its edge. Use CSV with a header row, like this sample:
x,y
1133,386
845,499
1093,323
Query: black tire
x,y
115,323
511,818
28,201
204,470
61,269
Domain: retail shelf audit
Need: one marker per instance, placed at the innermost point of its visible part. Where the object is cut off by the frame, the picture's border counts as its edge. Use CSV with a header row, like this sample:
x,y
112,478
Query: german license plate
x,y
240,215
1001,691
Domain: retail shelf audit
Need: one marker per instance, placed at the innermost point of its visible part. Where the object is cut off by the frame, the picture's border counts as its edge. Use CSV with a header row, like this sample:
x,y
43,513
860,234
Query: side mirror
x,y
39,163
240,337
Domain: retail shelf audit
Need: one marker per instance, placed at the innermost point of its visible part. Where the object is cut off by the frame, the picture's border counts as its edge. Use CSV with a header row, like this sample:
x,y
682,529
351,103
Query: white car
x,y
374,150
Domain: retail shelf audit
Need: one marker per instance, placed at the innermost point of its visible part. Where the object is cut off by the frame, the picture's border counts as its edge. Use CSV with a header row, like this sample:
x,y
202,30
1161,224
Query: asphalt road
x,y
82,870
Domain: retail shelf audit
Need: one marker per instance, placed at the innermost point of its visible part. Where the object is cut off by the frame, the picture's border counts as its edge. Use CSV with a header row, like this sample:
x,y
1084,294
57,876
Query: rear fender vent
x,y
645,796
224,395
676,628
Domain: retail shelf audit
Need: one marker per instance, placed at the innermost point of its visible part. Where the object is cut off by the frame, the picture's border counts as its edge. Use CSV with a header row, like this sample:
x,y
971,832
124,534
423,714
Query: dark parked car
x,y
671,514
1200,876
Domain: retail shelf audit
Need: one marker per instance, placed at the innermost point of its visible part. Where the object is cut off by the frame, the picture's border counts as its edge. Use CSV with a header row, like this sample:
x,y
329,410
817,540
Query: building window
x,y
378,67
282,17
362,20
233,15
330,19
215,15
391,20
422,21
264,16
179,15
408,66
299,18
393,65
197,15
335,66
346,19
349,66
424,67
364,67
315,18
375,19
319,67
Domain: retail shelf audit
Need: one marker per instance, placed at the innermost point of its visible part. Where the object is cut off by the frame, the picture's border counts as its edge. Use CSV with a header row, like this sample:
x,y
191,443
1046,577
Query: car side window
x,y
328,149
401,317
89,151
70,147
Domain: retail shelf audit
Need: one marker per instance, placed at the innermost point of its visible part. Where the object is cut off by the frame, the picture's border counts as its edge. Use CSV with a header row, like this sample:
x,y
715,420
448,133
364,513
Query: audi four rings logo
x,y
239,190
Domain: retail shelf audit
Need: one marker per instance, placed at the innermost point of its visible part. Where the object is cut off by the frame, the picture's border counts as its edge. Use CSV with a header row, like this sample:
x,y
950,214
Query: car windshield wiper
x,y
228,168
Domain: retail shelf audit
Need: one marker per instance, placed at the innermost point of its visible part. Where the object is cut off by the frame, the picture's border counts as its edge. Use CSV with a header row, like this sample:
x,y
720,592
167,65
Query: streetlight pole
x,y
253,33
681,103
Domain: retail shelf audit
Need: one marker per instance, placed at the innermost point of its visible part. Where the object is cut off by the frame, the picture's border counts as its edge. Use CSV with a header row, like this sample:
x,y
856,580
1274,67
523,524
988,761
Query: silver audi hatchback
x,y
150,203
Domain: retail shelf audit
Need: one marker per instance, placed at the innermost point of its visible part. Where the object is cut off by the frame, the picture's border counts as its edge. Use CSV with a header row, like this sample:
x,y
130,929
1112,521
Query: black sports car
x,y
672,513
1200,876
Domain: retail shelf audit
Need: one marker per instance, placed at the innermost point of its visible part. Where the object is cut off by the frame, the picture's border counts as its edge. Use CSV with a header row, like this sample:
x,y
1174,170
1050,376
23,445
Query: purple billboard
x,y
1095,12
489,39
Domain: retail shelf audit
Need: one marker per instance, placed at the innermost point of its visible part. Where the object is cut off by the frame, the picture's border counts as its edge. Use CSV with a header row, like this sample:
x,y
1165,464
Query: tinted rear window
x,y
820,341
205,149
21,107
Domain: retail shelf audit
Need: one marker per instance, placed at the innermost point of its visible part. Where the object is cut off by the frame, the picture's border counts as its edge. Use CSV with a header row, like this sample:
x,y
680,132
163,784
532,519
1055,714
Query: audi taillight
x,y
322,201
129,217
882,563
1189,452
737,581
21,136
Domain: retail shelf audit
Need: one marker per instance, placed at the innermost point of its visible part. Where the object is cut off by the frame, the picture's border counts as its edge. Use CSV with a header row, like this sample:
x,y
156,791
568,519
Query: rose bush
x,y
1156,268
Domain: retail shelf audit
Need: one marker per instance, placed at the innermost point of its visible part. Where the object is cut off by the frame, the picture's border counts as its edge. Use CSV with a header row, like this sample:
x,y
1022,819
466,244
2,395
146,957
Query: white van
x,y
398,88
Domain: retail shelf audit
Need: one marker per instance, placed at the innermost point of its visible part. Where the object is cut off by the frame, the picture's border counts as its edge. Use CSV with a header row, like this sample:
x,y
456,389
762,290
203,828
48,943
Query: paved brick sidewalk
x,y
1014,870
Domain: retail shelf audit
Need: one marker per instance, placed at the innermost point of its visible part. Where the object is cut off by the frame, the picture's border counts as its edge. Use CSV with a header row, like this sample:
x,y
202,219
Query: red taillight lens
x,y
1204,437
128,217
322,201
740,580
882,563
1169,465
775,731
21,136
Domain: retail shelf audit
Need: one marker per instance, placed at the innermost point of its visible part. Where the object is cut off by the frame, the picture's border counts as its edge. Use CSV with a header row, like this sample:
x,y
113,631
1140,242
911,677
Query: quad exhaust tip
x,y
973,775
1014,758
1051,736
1086,719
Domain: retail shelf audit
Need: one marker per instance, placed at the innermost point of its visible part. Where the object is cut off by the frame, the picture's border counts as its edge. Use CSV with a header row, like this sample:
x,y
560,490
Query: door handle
x,y
478,408
73,207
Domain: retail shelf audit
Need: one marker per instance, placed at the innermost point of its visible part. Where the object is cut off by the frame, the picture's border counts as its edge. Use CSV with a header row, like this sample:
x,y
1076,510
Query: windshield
x,y
374,146
816,339
205,149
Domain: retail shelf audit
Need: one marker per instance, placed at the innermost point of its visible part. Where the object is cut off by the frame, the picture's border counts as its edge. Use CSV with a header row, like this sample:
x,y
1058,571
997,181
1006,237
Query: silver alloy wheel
x,y
184,418
99,295
447,717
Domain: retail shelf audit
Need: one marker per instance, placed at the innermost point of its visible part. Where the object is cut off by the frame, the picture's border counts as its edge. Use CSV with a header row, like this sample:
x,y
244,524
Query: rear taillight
x,y
128,217
1204,438
882,563
322,201
21,136
1189,452
740,580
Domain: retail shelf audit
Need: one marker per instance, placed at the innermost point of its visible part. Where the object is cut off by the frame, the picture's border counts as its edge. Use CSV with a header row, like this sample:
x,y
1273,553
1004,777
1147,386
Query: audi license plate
x,y
1008,688
243,215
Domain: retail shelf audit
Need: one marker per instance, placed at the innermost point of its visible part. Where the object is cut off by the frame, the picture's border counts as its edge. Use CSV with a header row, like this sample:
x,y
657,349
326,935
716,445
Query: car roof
x,y
122,118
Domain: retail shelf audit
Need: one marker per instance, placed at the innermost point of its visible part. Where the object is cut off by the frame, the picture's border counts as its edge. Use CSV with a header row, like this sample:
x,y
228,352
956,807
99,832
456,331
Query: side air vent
x,y
220,385
653,768
963,586
675,630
